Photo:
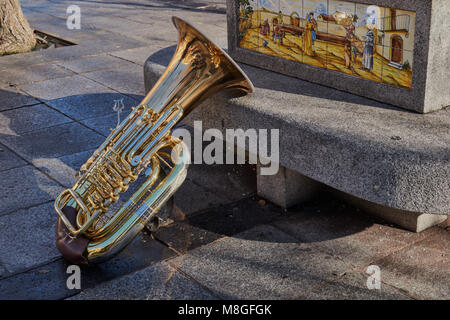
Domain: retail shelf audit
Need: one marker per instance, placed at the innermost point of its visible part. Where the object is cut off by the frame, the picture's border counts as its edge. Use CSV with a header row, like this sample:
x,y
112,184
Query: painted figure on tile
x,y
276,32
280,17
314,26
350,49
265,28
354,41
349,31
369,43
347,55
307,37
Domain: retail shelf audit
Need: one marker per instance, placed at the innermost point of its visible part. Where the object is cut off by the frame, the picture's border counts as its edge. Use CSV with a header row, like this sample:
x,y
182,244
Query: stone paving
x,y
56,108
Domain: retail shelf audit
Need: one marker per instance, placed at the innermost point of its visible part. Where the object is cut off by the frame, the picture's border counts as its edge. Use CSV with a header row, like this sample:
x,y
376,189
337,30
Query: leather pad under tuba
x,y
72,249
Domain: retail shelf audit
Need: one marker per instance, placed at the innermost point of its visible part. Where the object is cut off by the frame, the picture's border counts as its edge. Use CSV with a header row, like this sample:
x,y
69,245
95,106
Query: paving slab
x,y
93,105
423,269
104,124
30,118
39,8
48,281
28,238
232,182
128,29
128,79
92,63
74,52
65,168
54,141
209,225
19,75
341,230
261,263
107,40
158,282
202,5
183,237
108,8
9,160
57,27
25,187
213,25
164,14
191,197
12,98
24,60
353,286
62,88
140,55
163,29
236,217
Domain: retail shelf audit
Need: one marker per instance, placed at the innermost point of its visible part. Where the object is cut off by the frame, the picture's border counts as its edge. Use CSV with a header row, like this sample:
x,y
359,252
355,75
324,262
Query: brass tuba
x,y
140,146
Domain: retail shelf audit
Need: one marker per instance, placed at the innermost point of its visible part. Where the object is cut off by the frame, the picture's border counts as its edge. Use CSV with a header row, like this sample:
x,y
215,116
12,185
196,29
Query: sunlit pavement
x,y
56,108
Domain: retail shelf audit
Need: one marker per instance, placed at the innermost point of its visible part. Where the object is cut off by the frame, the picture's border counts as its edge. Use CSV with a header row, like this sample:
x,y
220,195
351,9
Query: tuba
x,y
142,146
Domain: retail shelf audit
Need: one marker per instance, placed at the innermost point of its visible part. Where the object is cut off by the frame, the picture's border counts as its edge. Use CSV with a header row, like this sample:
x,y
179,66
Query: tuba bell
x,y
142,146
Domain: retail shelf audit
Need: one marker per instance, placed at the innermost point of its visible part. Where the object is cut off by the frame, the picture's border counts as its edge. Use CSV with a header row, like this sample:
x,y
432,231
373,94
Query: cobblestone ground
x,y
56,107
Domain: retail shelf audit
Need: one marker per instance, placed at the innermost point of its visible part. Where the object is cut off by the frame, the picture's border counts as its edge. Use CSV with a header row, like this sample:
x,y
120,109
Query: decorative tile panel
x,y
358,39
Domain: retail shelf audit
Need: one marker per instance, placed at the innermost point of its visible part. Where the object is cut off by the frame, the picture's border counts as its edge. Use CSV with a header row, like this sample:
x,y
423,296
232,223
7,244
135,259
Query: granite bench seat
x,y
364,148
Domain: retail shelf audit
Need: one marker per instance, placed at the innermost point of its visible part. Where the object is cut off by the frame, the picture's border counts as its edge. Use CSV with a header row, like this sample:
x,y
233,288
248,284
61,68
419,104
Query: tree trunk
x,y
15,32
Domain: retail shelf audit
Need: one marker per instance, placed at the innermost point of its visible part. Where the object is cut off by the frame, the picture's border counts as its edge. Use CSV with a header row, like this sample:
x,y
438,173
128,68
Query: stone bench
x,y
391,162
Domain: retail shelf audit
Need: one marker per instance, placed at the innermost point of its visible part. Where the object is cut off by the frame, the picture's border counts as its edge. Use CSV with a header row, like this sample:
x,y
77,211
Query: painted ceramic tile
x,y
396,32
268,30
341,49
290,29
315,30
366,41
366,45
398,74
248,24
401,24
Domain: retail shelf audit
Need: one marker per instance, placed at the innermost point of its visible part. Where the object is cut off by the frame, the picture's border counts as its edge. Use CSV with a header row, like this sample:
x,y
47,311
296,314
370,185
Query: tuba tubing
x,y
86,231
